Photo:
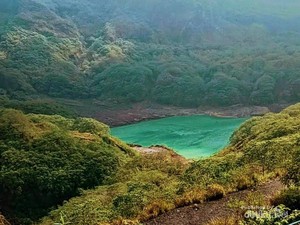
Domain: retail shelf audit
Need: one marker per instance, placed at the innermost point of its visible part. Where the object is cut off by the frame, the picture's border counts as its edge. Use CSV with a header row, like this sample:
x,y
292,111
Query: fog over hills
x,y
174,52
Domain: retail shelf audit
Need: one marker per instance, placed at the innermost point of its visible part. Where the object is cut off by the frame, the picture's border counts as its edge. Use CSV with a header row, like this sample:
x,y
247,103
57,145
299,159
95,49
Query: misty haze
x,y
169,112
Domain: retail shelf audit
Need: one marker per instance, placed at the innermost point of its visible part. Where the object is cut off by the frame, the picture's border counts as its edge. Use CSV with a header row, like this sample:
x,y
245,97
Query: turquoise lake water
x,y
190,136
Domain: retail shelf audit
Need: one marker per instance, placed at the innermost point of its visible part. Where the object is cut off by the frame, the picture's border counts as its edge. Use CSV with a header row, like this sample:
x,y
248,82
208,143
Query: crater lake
x,y
190,136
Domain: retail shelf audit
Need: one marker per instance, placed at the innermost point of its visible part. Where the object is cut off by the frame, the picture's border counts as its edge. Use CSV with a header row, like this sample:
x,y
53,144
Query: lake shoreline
x,y
140,112
118,114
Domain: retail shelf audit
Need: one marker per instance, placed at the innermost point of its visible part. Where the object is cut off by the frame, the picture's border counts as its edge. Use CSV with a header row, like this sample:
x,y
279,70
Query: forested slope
x,y
45,160
184,53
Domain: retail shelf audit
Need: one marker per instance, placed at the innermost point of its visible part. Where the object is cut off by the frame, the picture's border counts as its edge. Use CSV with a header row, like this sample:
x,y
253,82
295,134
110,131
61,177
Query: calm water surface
x,y
191,136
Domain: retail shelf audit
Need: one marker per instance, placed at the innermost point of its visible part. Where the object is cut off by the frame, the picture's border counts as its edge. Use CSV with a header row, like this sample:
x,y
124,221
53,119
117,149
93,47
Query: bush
x,y
88,125
245,177
130,204
215,192
243,182
154,209
194,196
289,197
223,221
292,177
210,170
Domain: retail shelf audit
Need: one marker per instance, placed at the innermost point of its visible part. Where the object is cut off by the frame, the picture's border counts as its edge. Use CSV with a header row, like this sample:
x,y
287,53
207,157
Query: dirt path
x,y
203,213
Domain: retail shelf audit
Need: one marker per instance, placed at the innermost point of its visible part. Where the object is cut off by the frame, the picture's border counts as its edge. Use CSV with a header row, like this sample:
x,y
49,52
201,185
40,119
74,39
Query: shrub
x,y
154,209
193,196
129,205
246,177
90,126
289,197
210,170
243,182
215,192
292,177
223,221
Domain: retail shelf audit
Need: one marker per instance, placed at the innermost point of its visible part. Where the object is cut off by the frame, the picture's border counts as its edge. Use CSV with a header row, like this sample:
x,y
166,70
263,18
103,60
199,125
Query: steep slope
x,y
185,53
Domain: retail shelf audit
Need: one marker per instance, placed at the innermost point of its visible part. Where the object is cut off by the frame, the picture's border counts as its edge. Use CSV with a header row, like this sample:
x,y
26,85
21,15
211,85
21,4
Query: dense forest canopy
x,y
178,52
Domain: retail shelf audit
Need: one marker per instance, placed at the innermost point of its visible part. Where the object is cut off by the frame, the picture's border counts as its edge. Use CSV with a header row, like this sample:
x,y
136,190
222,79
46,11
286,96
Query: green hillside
x,y
136,187
178,52
48,159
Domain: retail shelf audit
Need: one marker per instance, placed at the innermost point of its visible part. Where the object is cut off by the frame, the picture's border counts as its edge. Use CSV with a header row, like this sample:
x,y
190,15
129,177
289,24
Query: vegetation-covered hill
x,y
46,159
179,52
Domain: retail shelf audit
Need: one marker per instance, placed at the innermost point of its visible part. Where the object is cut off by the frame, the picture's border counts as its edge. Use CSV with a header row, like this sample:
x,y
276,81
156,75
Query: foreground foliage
x,y
151,184
48,159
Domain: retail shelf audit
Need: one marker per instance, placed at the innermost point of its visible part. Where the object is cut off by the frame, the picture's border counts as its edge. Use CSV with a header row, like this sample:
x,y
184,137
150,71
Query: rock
x,y
259,111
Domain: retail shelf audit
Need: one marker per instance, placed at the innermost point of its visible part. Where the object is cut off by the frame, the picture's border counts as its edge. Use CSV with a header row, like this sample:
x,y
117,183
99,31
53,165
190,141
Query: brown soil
x,y
140,112
117,114
201,214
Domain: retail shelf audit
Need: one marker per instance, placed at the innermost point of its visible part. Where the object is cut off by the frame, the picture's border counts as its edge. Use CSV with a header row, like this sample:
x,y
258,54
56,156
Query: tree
x,y
263,92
